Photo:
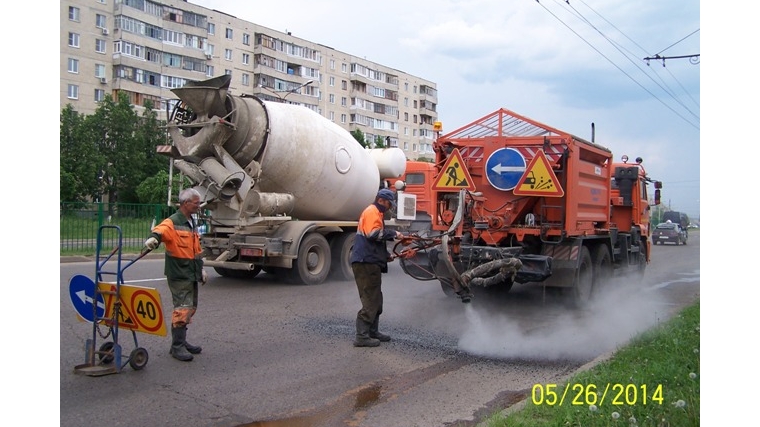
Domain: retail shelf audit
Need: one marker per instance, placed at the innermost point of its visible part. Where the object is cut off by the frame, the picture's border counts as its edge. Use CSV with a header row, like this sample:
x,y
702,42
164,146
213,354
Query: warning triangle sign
x,y
539,179
454,176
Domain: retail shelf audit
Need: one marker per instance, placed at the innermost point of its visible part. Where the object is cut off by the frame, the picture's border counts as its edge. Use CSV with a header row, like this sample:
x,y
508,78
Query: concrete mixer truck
x,y
282,187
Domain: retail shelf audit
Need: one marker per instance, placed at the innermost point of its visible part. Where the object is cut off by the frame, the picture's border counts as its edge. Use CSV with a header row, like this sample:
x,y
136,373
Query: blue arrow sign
x,y
82,291
504,168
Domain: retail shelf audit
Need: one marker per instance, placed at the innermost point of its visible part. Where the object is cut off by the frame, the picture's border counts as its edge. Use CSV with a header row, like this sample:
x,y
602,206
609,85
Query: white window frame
x,y
228,33
73,14
73,66
246,78
100,70
211,29
228,54
100,92
246,58
74,40
101,43
72,92
100,21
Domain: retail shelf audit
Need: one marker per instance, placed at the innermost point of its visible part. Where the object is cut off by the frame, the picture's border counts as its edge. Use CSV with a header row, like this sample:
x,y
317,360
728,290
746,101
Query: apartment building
x,y
147,48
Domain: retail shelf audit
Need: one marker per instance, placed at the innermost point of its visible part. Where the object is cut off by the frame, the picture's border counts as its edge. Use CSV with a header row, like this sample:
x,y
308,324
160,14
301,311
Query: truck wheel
x,y
602,266
313,263
584,280
340,250
678,241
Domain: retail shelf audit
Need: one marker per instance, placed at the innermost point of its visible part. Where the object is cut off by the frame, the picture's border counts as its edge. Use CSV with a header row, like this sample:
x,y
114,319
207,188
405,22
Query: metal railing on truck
x,y
80,223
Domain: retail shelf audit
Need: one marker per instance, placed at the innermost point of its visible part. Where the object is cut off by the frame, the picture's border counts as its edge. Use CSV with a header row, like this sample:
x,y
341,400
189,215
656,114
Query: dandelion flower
x,y
615,415
692,375
696,351
679,403
592,408
632,420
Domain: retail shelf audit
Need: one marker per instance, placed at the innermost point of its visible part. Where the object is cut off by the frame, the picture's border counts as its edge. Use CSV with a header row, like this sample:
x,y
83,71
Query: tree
x,y
359,136
379,141
79,158
154,189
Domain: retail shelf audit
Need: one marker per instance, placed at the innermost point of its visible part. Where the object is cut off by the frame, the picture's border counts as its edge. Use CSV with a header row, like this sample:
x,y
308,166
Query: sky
x,y
565,65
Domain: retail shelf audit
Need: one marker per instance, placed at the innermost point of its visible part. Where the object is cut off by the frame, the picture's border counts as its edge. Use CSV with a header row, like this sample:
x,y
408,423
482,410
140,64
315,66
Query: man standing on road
x,y
369,259
183,267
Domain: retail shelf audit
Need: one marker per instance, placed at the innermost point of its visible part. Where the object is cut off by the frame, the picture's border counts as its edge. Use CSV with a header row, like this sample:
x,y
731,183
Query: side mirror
x,y
657,196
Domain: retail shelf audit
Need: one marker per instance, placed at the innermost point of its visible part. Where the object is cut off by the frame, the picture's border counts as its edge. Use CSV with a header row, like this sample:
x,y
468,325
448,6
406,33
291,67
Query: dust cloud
x,y
559,332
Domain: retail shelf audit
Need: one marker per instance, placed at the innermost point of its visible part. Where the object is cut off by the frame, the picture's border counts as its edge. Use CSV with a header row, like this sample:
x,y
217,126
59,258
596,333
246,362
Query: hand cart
x,y
107,310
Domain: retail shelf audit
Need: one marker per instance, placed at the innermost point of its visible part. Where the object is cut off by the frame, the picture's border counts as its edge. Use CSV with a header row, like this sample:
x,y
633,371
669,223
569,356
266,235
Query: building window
x,y
228,54
414,118
331,116
343,118
100,46
332,81
332,64
246,58
343,101
73,66
73,92
406,145
406,87
100,20
246,79
406,117
228,33
332,98
73,13
100,70
344,68
227,72
414,148
246,39
210,49
211,29
343,85
73,39
209,71
100,95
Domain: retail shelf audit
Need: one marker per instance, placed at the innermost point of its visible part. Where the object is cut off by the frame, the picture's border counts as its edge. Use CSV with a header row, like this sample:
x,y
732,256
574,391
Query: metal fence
x,y
128,224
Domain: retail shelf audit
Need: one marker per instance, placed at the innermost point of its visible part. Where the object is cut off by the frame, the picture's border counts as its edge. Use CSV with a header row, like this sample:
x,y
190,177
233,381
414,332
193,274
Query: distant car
x,y
669,232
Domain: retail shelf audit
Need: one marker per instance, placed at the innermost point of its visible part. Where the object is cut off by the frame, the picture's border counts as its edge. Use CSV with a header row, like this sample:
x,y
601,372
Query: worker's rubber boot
x,y
374,333
362,335
178,350
193,349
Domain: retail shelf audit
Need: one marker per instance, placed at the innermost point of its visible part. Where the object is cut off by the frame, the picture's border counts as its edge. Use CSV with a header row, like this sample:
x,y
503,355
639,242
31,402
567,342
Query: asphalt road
x,y
280,355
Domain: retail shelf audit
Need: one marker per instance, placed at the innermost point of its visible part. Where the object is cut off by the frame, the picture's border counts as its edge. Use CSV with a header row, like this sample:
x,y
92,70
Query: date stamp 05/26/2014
x,y
591,394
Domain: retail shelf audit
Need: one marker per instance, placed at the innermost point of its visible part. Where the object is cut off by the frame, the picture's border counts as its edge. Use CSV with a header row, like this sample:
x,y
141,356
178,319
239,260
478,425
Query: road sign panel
x,y
141,308
454,176
504,168
82,293
539,179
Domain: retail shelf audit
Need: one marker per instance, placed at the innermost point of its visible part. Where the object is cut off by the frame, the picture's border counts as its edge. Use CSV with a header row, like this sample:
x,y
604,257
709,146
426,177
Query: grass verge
x,y
653,381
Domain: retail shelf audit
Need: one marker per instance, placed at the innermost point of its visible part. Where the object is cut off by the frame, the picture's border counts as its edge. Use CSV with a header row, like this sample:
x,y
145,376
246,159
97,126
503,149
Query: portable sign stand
x,y
102,304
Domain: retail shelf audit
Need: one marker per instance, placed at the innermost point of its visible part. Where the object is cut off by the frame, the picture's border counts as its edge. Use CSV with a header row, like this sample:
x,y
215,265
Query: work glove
x,y
151,243
204,277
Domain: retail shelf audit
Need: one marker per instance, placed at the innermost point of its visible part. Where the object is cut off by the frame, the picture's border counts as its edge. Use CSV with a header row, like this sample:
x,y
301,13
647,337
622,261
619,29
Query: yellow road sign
x,y
454,176
539,179
140,311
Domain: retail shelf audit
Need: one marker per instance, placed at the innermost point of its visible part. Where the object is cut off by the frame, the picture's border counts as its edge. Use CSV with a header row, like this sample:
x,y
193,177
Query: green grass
x,y
663,360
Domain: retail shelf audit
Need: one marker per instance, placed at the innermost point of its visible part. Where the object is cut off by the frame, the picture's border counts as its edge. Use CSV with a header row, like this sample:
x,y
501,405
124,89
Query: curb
x,y
521,404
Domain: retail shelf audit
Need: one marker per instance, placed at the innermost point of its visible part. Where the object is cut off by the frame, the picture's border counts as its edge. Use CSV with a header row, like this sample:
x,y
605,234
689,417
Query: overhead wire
x,y
620,48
